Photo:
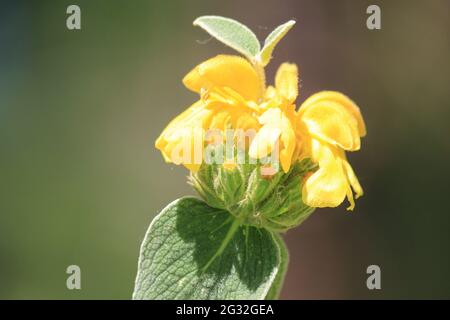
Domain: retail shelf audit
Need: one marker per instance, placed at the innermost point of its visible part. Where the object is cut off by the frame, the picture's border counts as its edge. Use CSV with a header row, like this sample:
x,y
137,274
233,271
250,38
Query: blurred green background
x,y
80,110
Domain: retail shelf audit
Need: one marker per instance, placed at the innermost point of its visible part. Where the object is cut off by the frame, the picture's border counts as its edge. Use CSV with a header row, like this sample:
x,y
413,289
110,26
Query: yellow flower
x,y
229,88
278,118
233,96
330,124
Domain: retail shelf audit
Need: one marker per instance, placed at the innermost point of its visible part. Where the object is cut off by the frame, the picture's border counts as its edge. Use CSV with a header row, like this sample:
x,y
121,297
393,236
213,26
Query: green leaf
x,y
232,33
272,40
193,251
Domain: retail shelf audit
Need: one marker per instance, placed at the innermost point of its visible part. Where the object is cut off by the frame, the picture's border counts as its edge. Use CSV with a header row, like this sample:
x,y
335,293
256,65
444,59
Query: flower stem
x,y
261,74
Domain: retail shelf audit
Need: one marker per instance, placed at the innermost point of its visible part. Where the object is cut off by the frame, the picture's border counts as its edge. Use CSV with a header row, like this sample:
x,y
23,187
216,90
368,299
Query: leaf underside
x,y
232,33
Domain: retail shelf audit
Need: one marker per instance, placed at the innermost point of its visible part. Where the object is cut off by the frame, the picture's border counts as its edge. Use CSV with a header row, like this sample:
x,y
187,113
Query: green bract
x,y
274,203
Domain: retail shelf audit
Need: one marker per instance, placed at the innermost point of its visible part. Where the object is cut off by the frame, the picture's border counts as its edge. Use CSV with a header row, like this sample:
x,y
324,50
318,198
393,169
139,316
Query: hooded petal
x,y
225,71
286,81
341,99
332,123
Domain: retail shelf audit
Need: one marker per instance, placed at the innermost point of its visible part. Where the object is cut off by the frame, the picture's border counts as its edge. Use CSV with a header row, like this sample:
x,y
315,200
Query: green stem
x,y
261,74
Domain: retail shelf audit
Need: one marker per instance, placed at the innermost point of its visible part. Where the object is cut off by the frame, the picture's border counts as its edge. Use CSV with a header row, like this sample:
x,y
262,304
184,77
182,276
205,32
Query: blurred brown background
x,y
80,110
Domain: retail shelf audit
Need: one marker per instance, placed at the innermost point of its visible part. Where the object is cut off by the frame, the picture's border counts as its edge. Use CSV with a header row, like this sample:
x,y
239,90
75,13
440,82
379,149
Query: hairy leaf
x,y
232,33
272,40
193,251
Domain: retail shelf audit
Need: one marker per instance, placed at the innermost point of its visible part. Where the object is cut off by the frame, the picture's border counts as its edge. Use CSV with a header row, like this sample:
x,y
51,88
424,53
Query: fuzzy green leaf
x,y
193,251
272,40
232,33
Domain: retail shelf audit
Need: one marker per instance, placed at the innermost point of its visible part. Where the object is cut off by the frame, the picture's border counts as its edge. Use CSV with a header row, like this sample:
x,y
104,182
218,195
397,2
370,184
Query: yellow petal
x,y
327,187
225,71
246,121
350,199
224,116
181,135
341,99
192,166
334,180
332,123
288,140
270,93
286,81
353,179
220,120
287,151
317,152
265,140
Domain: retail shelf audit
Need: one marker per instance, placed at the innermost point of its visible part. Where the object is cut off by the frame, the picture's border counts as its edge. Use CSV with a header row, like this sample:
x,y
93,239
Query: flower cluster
x,y
233,96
